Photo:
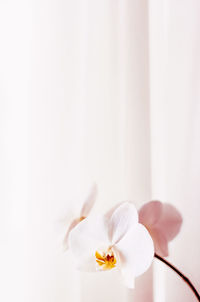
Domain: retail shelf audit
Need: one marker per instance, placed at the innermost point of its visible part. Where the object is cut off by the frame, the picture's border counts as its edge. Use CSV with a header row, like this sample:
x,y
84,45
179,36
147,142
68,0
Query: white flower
x,y
84,212
118,241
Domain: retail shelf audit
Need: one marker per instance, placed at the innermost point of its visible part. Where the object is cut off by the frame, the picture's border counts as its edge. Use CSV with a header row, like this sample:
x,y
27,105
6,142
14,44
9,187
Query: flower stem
x,y
189,283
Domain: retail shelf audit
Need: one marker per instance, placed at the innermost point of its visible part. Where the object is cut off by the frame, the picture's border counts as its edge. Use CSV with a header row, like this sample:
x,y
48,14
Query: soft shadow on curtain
x,y
104,91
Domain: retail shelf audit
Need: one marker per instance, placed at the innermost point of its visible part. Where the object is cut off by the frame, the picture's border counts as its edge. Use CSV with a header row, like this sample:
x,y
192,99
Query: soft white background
x,y
96,90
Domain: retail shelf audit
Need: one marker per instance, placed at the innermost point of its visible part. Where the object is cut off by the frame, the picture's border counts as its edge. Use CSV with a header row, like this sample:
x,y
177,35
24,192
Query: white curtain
x,y
105,91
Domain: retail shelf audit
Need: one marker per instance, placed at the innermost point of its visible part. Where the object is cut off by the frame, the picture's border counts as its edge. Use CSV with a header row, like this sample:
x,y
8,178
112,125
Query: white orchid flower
x,y
85,209
118,241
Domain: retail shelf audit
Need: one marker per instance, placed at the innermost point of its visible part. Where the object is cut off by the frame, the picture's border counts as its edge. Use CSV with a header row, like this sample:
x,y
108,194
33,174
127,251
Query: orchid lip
x,y
106,259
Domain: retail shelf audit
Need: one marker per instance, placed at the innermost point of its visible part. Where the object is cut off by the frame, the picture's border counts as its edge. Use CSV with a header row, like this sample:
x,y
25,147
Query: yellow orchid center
x,y
106,260
82,218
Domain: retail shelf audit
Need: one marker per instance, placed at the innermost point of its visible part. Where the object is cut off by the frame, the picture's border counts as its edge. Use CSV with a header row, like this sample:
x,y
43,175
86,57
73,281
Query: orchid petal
x,y
163,222
89,202
150,213
66,238
136,252
111,211
170,222
124,217
160,242
89,235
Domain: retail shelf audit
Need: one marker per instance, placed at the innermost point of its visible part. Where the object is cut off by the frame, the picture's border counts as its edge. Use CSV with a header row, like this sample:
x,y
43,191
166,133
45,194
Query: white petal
x,y
89,202
111,211
123,218
87,237
136,252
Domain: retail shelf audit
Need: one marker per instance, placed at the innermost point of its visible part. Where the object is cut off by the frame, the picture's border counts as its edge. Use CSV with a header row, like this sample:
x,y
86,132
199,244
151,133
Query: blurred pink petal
x,y
170,221
89,202
160,242
150,213
163,222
